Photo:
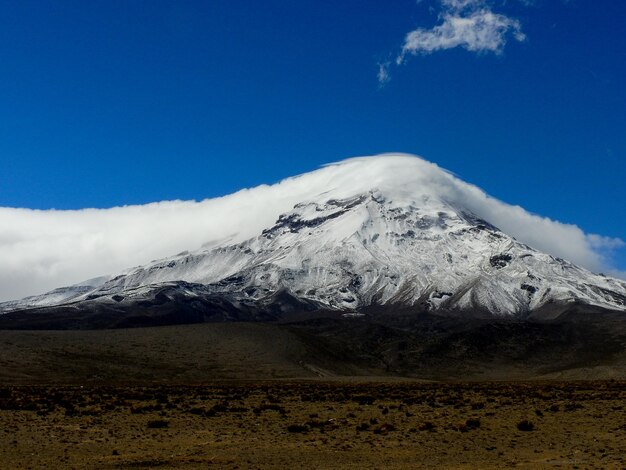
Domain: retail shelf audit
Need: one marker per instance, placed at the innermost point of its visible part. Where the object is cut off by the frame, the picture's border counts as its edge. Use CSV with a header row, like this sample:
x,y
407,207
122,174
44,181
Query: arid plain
x,y
244,395
313,424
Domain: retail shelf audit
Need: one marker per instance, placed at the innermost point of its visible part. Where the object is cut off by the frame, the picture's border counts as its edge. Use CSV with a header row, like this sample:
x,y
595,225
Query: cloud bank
x,y
44,249
469,24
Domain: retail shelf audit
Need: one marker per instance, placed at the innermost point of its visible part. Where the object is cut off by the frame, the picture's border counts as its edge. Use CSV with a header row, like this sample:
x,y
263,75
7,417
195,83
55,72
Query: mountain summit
x,y
368,235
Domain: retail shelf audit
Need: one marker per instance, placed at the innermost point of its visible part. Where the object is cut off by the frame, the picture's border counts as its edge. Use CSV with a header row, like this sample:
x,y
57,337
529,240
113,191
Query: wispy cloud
x,y
383,73
605,243
617,274
480,31
469,24
606,248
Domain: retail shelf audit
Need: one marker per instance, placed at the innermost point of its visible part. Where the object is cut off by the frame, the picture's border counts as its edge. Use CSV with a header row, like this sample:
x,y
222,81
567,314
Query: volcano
x,y
367,237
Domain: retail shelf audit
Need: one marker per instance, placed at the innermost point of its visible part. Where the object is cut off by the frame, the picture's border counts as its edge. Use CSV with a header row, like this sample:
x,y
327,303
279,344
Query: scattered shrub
x,y
158,423
427,426
384,428
525,425
297,428
472,423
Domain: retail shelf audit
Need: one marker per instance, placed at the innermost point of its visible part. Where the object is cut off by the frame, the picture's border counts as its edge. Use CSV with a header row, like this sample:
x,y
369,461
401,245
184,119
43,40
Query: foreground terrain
x,y
316,425
422,347
321,393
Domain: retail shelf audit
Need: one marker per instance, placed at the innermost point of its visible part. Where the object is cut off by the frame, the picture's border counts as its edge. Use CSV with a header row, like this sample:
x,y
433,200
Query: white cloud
x,y
41,250
469,24
460,5
605,243
480,31
617,274
383,73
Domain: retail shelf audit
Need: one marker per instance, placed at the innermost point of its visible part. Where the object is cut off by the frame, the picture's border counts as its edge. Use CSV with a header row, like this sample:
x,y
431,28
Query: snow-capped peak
x,y
378,231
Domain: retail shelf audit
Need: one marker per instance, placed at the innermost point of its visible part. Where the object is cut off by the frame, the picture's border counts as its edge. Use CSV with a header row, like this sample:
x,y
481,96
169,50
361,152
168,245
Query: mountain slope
x,y
359,242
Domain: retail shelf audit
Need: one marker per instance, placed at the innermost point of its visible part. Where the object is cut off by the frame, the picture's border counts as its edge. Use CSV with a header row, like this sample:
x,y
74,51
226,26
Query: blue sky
x,y
108,103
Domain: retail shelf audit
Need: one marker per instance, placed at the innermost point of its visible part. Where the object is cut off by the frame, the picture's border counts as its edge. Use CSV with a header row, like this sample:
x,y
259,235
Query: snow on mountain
x,y
56,296
379,231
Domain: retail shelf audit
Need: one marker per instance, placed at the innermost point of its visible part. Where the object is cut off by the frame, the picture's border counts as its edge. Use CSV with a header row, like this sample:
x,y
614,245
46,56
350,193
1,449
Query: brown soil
x,y
316,425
